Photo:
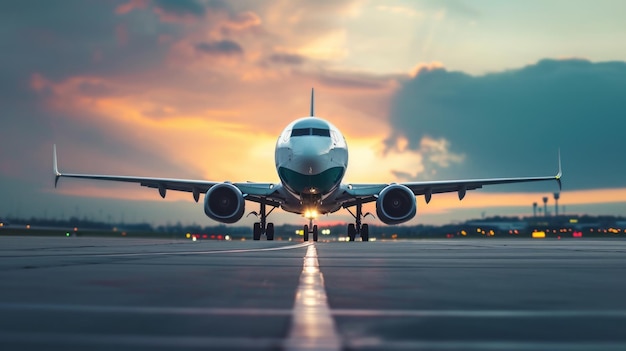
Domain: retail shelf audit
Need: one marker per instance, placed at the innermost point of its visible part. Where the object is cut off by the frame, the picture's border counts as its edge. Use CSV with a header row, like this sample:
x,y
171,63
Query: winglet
x,y
560,173
55,165
312,102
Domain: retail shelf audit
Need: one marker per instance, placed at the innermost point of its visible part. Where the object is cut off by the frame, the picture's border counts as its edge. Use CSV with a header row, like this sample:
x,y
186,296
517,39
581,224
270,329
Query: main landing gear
x,y
263,227
361,229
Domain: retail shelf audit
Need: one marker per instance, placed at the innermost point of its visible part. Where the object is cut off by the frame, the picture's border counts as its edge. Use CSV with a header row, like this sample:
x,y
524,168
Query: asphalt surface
x,y
470,294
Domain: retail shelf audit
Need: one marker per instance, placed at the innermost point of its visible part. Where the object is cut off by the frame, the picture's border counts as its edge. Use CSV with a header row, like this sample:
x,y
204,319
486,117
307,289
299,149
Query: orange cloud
x,y
130,6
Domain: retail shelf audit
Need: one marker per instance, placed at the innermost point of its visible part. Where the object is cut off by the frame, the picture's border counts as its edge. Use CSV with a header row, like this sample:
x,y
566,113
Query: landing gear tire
x,y
351,232
269,231
365,233
315,233
256,231
306,233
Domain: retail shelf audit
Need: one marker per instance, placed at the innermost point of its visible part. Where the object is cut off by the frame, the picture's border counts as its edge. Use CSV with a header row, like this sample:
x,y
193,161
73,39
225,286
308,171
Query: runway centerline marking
x,y
312,326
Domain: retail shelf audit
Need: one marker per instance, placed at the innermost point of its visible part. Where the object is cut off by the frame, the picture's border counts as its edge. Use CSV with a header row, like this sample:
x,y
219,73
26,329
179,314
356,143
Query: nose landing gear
x,y
313,231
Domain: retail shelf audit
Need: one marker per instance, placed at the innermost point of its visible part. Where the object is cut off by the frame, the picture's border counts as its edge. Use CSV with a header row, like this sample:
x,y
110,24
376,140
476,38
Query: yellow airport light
x,y
539,235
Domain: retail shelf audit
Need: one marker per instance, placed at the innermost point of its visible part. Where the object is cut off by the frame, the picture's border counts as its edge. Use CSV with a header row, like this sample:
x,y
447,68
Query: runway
x,y
468,294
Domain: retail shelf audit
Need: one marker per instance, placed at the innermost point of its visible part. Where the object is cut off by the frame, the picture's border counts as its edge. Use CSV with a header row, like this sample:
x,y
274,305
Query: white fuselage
x,y
311,160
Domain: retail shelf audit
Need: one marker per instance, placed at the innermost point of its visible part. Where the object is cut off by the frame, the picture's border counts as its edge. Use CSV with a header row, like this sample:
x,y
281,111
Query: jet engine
x,y
224,203
396,204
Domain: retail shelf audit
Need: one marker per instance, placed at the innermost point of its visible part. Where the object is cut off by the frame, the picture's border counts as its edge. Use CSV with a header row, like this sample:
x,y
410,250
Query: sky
x,y
201,89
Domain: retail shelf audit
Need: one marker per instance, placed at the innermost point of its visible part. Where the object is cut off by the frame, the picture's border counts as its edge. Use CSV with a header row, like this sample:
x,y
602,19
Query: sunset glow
x,y
421,91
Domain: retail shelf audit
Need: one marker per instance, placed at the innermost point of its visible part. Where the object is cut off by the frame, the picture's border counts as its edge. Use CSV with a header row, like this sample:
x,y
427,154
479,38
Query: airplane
x,y
311,158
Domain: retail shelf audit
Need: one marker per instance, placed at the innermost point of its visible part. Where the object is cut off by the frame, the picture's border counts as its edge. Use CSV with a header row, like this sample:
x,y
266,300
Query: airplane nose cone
x,y
310,159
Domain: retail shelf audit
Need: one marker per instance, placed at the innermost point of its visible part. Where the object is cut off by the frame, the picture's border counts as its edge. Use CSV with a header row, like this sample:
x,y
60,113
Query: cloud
x,y
511,123
352,80
201,89
287,59
221,47
183,7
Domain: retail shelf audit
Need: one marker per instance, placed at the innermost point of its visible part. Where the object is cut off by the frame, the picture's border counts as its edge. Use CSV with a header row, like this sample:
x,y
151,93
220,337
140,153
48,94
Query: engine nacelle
x,y
224,203
396,204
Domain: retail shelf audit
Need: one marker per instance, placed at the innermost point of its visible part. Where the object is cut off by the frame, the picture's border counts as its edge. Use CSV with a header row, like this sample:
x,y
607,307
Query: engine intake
x,y
396,204
224,203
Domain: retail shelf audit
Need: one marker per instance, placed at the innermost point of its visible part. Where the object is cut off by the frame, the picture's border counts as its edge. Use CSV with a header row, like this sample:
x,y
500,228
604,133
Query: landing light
x,y
310,214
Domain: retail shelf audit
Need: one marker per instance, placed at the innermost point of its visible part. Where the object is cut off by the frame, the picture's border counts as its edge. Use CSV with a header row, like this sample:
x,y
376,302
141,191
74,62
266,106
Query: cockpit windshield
x,y
310,131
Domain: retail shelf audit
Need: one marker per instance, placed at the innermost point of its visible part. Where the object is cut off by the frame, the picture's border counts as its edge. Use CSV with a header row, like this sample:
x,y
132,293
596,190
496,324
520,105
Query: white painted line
x,y
155,310
481,313
312,326
172,253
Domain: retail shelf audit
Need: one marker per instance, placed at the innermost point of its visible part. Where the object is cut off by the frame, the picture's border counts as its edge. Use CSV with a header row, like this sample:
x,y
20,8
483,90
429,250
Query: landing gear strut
x,y
361,229
314,231
263,227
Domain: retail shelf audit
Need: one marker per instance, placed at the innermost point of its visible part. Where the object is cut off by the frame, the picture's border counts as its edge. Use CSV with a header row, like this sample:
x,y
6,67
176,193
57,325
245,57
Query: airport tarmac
x,y
458,294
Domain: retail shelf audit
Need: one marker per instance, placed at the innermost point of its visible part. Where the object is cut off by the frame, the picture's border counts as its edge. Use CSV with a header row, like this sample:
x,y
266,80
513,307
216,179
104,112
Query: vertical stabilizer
x,y
312,102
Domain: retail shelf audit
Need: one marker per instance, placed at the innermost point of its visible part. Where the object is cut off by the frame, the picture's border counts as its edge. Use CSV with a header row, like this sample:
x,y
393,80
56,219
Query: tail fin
x,y
312,102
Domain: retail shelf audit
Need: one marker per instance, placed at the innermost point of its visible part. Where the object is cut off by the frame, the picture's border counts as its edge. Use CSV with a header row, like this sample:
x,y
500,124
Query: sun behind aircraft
x,y
311,159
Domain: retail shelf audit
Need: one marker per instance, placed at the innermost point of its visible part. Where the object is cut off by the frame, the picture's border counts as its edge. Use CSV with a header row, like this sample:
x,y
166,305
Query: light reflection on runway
x,y
312,326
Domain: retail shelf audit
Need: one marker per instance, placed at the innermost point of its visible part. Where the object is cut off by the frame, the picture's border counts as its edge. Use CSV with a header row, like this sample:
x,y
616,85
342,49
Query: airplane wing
x,y
256,192
363,193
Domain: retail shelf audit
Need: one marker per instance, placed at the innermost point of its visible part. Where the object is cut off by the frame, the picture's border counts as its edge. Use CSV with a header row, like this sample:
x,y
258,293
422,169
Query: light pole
x,y
545,206
556,203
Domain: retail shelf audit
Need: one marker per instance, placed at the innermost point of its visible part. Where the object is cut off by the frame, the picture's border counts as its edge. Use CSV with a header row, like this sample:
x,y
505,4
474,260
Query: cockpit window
x,y
320,132
300,132
310,131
